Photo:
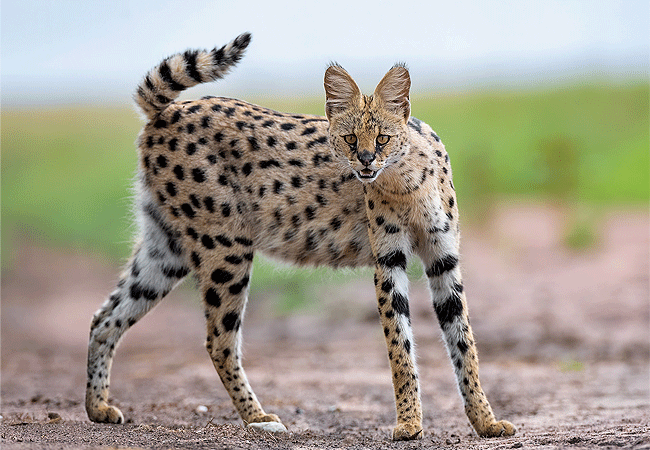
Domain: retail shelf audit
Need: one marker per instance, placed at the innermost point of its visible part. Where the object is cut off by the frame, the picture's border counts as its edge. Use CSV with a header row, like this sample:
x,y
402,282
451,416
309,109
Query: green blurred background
x,y
573,137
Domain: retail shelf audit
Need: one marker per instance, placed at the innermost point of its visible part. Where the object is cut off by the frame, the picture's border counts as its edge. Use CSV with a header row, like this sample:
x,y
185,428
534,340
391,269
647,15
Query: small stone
x,y
201,409
54,417
269,427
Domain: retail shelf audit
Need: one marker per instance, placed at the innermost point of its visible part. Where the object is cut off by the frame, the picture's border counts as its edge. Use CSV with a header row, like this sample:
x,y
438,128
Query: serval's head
x,y
369,131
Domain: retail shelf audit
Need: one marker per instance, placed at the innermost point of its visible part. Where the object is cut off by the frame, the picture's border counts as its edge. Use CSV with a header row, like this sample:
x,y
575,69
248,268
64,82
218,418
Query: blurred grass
x,y
66,172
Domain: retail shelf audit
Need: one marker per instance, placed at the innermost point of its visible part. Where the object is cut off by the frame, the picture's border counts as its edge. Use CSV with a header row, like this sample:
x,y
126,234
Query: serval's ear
x,y
340,90
393,90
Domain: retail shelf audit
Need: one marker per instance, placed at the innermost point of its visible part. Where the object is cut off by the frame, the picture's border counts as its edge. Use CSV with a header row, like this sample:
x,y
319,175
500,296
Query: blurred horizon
x,y
73,52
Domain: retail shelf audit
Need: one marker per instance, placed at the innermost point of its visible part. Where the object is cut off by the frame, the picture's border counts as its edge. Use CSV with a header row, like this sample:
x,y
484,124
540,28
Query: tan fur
x,y
221,179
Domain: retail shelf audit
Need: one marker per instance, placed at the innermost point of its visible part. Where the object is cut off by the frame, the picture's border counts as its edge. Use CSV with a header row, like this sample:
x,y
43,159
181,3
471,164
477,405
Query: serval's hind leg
x,y
157,265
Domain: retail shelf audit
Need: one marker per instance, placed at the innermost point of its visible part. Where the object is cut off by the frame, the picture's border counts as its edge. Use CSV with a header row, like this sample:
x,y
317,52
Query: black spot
x,y
238,287
188,210
150,141
229,112
462,346
195,201
321,200
138,292
220,276
449,309
335,223
271,141
178,171
319,157
400,304
387,285
218,136
392,260
175,272
296,181
230,321
310,240
296,162
244,241
444,264
233,259
319,140
171,188
310,212
162,161
309,130
196,259
198,174
209,204
379,220
176,116
212,158
269,163
216,108
225,209
278,186
166,75
253,143
191,232
205,122
207,241
190,128
268,123
371,204
240,125
407,346
194,109
223,240
391,229
191,148
451,202
223,180
288,126
291,145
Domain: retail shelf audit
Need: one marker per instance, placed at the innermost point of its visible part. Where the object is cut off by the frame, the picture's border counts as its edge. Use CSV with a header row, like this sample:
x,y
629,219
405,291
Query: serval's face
x,y
370,132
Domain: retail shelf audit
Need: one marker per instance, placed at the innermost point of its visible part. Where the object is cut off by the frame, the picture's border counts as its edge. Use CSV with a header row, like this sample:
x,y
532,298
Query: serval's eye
x,y
351,139
383,139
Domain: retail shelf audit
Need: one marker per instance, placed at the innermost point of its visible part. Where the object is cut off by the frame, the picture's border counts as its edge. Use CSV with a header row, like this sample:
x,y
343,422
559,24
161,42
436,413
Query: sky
x,y
66,51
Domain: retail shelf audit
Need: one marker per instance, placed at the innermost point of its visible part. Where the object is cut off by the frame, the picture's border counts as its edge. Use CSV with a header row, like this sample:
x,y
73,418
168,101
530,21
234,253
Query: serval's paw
x,y
407,432
102,412
269,423
502,428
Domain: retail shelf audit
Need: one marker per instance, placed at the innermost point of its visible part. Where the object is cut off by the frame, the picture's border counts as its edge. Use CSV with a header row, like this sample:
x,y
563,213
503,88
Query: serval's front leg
x,y
391,247
442,269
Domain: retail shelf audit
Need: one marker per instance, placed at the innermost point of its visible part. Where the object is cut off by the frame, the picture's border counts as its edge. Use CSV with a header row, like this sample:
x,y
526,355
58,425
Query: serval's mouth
x,y
366,175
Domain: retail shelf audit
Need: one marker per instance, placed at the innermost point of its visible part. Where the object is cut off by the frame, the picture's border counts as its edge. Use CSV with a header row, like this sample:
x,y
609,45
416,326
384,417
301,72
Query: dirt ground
x,y
563,336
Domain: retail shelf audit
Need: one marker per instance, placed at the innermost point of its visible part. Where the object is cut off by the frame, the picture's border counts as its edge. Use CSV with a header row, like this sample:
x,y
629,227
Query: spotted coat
x,y
220,179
